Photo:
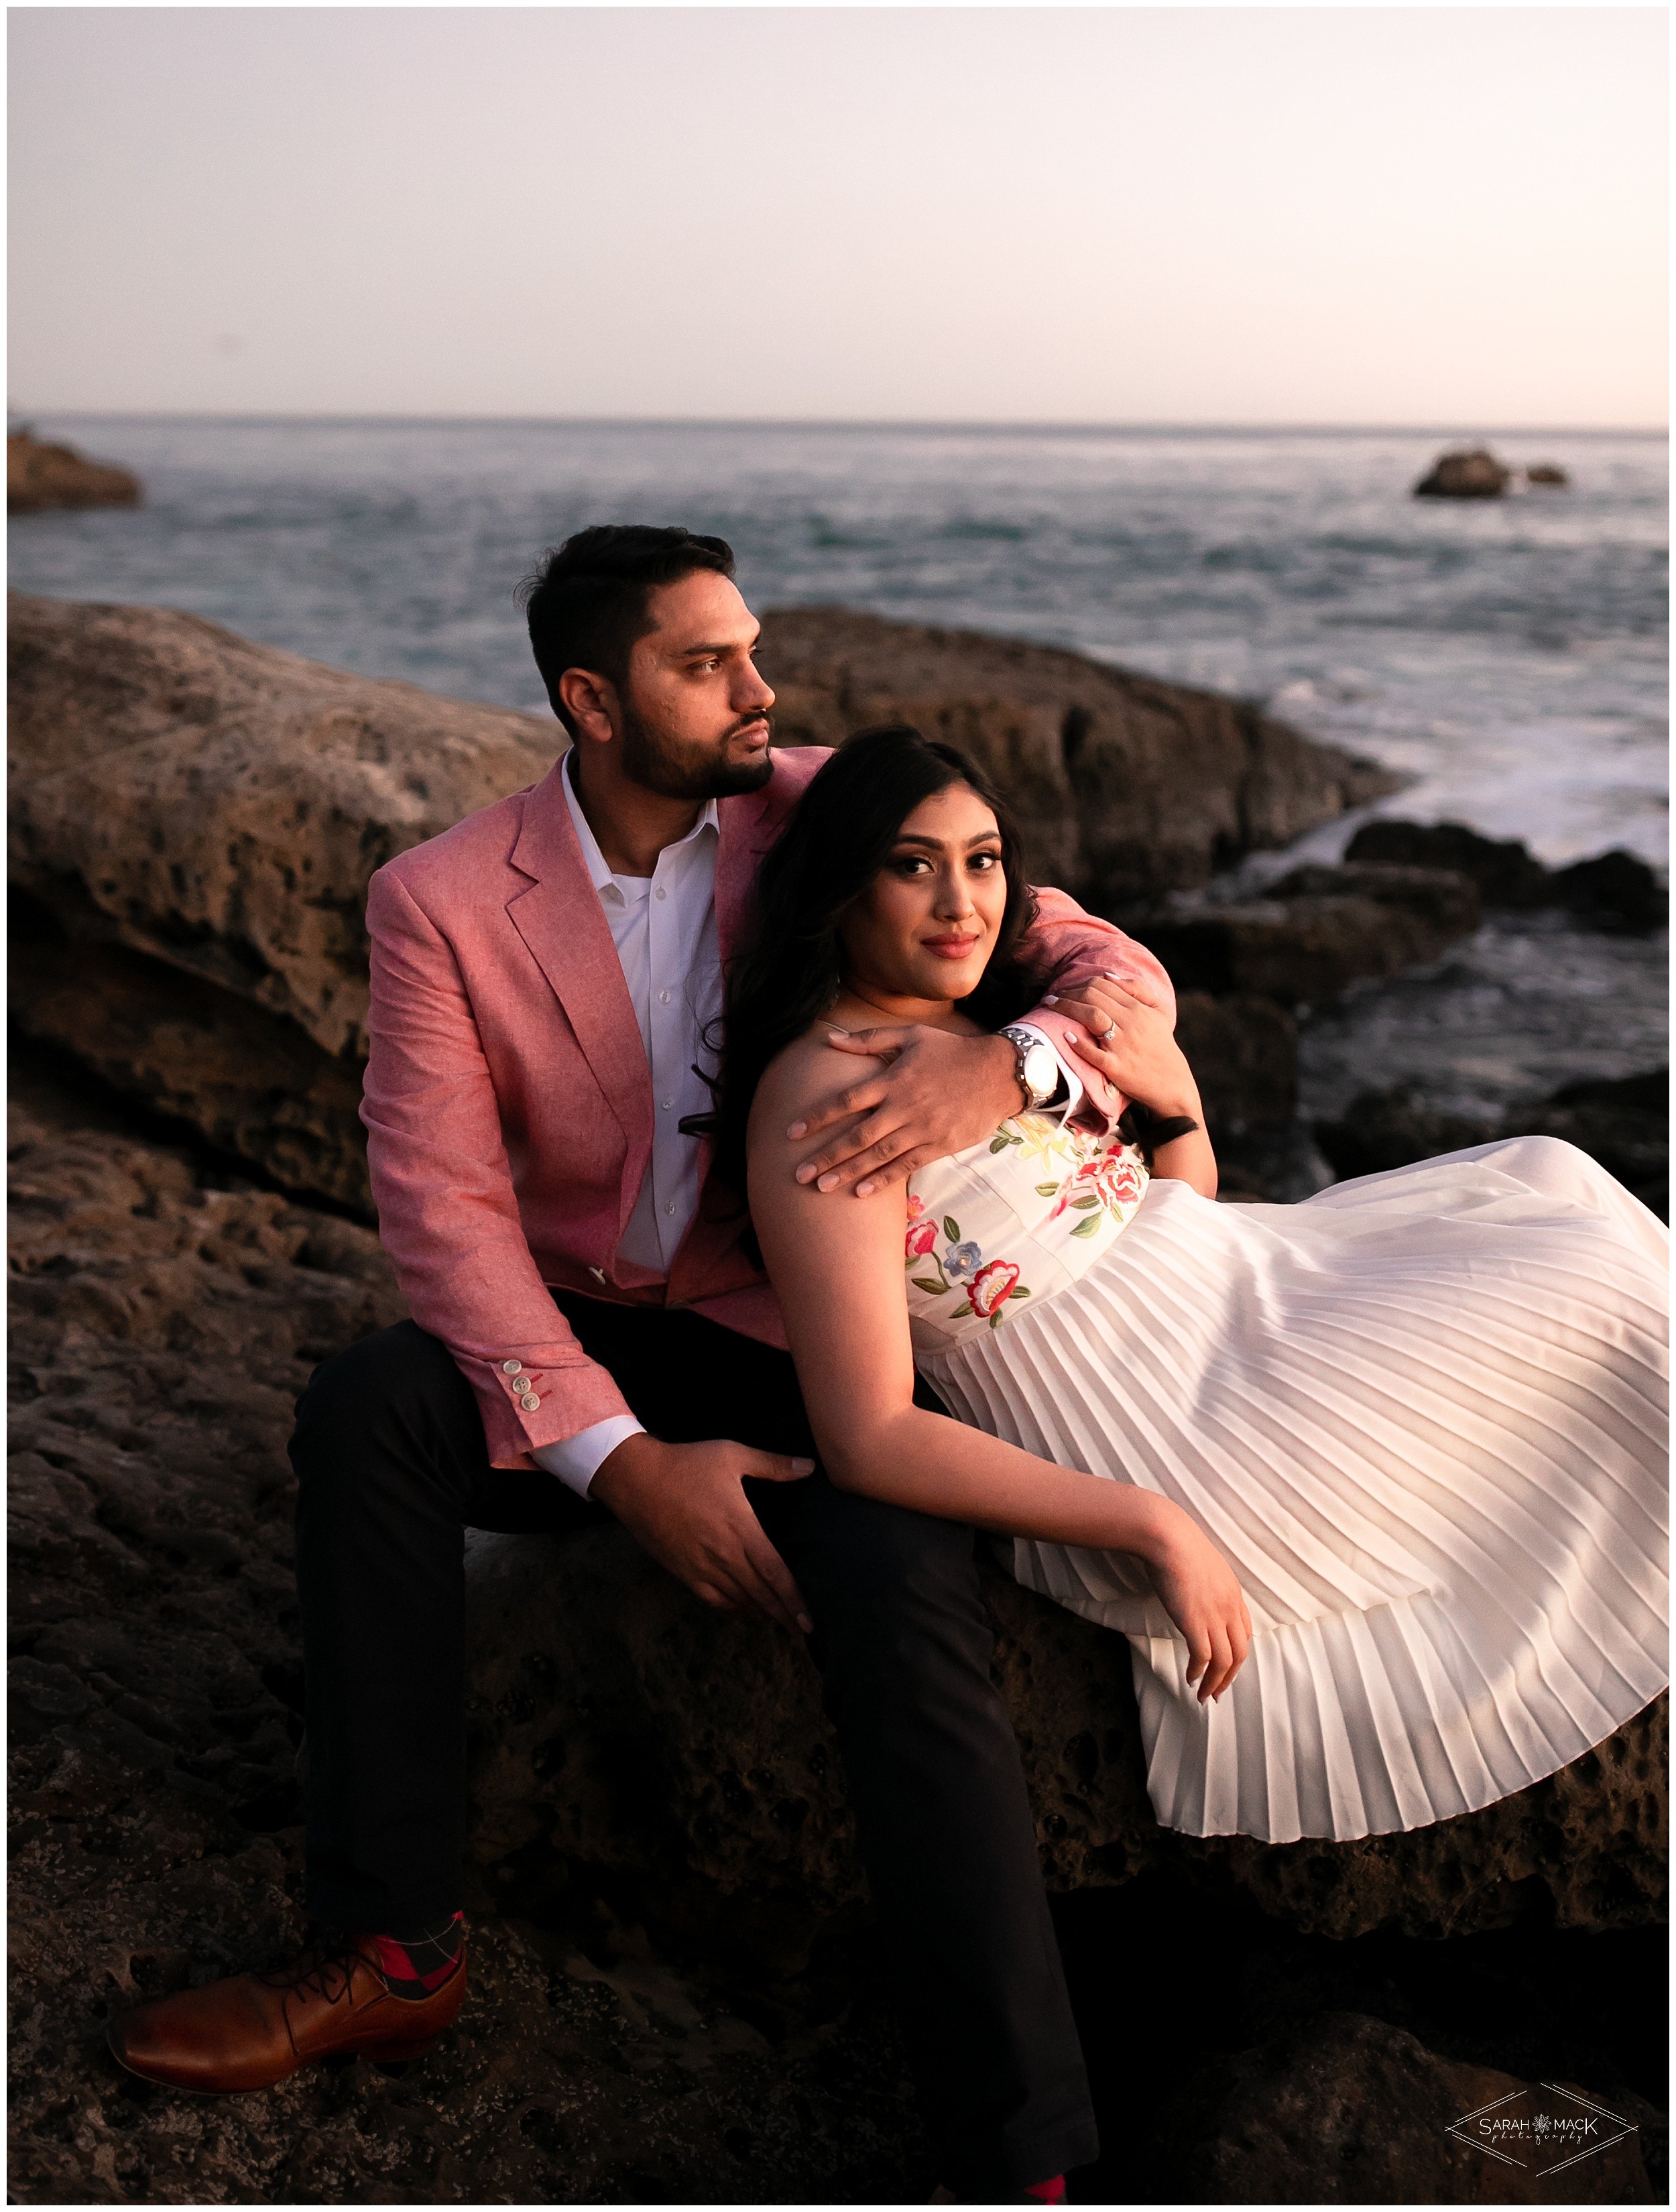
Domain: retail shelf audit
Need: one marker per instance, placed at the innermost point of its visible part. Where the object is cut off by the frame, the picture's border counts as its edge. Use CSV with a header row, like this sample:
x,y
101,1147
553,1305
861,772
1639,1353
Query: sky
x,y
1183,215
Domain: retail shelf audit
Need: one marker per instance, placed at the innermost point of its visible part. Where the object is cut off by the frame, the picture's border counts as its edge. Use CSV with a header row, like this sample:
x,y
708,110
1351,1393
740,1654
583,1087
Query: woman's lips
x,y
949,948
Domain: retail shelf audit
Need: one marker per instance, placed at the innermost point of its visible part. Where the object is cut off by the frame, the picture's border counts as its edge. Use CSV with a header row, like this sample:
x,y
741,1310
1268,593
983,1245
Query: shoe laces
x,y
325,1970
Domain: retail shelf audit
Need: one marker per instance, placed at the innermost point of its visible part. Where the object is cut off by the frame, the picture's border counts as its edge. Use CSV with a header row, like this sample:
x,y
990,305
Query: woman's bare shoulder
x,y
806,1071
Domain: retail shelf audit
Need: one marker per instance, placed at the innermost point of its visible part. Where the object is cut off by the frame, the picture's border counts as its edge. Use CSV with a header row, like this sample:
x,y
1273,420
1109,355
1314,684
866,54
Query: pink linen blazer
x,y
509,1102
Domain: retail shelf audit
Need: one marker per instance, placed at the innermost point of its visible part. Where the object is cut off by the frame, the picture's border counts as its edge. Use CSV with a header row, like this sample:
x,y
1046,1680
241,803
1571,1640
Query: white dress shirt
x,y
664,927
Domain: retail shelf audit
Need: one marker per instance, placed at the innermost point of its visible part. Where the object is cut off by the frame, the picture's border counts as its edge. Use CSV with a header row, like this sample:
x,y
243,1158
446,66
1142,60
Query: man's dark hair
x,y
585,603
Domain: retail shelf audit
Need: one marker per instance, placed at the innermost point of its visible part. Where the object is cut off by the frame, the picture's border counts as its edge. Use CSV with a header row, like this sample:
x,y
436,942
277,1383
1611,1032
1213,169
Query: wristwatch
x,y
1037,1070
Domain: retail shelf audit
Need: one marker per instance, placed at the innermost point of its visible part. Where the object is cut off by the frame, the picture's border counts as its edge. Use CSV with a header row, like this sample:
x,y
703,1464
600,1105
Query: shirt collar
x,y
599,871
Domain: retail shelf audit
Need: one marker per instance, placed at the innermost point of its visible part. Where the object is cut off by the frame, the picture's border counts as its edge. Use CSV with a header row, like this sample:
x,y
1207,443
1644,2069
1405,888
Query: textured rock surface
x,y
1351,2111
40,475
1471,472
1315,932
619,1720
160,1329
636,2034
1128,786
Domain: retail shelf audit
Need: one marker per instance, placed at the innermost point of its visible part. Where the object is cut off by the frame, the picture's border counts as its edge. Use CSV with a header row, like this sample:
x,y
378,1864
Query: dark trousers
x,y
392,1470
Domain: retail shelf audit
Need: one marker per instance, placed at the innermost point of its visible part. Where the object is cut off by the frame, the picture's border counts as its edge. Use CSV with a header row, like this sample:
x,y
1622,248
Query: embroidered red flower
x,y
921,1229
992,1287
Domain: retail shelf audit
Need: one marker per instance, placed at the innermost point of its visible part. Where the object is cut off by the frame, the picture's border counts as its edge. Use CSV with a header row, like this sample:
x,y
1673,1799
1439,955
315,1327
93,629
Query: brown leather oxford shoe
x,y
253,2030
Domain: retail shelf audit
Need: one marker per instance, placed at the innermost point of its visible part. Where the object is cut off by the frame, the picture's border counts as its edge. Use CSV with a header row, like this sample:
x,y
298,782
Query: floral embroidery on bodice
x,y
1017,1217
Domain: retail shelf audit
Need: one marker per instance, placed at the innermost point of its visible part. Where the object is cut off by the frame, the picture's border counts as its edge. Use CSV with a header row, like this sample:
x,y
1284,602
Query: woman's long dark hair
x,y
839,835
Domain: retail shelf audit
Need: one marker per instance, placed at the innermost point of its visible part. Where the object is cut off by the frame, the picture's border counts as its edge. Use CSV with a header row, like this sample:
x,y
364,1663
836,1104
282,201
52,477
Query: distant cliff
x,y
40,475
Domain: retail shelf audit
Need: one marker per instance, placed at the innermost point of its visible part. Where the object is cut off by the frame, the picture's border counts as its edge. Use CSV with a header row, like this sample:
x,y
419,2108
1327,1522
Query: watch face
x,y
1041,1069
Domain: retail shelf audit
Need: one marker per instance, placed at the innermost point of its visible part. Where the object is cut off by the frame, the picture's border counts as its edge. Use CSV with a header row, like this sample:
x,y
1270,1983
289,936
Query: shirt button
x,y
670,1208
662,997
530,1402
662,893
667,1103
512,1366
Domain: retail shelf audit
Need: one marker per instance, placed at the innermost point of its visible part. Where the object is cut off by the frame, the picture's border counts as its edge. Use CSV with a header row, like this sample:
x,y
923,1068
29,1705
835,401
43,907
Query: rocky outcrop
x,y
163,1324
40,475
616,1721
1469,472
1349,2110
1125,785
1614,886
193,822
194,819
1314,932
674,1999
1547,472
1623,1122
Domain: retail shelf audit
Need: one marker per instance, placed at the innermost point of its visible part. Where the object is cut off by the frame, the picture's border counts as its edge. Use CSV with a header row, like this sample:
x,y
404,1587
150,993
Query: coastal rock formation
x,y
1547,472
194,819
1349,2110
1612,885
1126,787
616,1721
1623,1122
1315,932
674,1998
1469,472
193,822
40,475
162,1324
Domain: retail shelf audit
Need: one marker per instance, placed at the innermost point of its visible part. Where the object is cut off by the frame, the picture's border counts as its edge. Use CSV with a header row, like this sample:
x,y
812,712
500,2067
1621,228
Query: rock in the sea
x,y
620,1723
1242,1050
1509,874
1315,932
40,475
1469,472
1623,1122
1126,785
1547,472
1349,2110
194,819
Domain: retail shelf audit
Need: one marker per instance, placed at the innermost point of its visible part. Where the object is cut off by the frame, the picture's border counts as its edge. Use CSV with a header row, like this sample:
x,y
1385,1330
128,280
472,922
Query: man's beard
x,y
675,771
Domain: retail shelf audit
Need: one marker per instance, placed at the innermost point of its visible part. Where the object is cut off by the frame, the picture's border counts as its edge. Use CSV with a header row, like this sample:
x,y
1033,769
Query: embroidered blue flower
x,y
961,1262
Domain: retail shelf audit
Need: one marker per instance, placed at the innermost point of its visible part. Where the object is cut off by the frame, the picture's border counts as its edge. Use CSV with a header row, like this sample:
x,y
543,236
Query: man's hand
x,y
684,1505
934,1093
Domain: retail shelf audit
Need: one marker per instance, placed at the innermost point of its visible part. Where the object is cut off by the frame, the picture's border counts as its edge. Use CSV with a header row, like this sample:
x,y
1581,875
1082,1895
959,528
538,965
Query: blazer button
x,y
529,1402
599,1274
512,1366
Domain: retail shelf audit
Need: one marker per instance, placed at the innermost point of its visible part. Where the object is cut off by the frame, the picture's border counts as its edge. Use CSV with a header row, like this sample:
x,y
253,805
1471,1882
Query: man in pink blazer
x,y
590,1335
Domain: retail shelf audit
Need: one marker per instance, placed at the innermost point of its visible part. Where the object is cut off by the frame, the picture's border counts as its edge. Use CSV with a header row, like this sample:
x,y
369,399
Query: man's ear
x,y
592,703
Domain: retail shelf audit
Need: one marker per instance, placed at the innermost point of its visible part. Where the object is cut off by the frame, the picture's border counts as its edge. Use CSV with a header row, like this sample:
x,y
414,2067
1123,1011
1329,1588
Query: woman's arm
x,y
838,1273
1134,1045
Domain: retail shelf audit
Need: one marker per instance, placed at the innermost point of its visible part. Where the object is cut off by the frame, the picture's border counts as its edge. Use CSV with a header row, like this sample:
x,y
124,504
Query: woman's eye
x,y
984,864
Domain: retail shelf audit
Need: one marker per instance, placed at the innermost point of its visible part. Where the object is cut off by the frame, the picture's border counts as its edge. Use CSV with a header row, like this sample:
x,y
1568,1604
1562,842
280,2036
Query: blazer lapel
x,y
560,919
746,831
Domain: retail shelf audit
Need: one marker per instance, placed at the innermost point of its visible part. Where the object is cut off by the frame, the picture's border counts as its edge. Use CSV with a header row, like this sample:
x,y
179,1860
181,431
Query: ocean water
x,y
1509,657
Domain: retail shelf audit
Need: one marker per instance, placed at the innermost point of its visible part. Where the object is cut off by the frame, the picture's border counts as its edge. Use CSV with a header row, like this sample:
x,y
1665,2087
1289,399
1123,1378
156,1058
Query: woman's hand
x,y
1201,1594
1133,1044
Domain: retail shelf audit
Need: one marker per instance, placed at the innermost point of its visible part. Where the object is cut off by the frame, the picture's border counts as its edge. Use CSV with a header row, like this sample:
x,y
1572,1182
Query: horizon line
x,y
19,417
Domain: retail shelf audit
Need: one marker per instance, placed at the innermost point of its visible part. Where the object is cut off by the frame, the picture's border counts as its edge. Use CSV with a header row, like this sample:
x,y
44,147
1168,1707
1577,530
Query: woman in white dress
x,y
1374,1485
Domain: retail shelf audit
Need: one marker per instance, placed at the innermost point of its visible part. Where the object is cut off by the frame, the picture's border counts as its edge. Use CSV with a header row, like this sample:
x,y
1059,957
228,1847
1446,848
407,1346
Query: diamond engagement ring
x,y
1107,1033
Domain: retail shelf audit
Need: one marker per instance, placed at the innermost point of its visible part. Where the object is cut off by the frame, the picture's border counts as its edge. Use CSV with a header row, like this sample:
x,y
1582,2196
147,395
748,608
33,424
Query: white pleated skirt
x,y
1425,1416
